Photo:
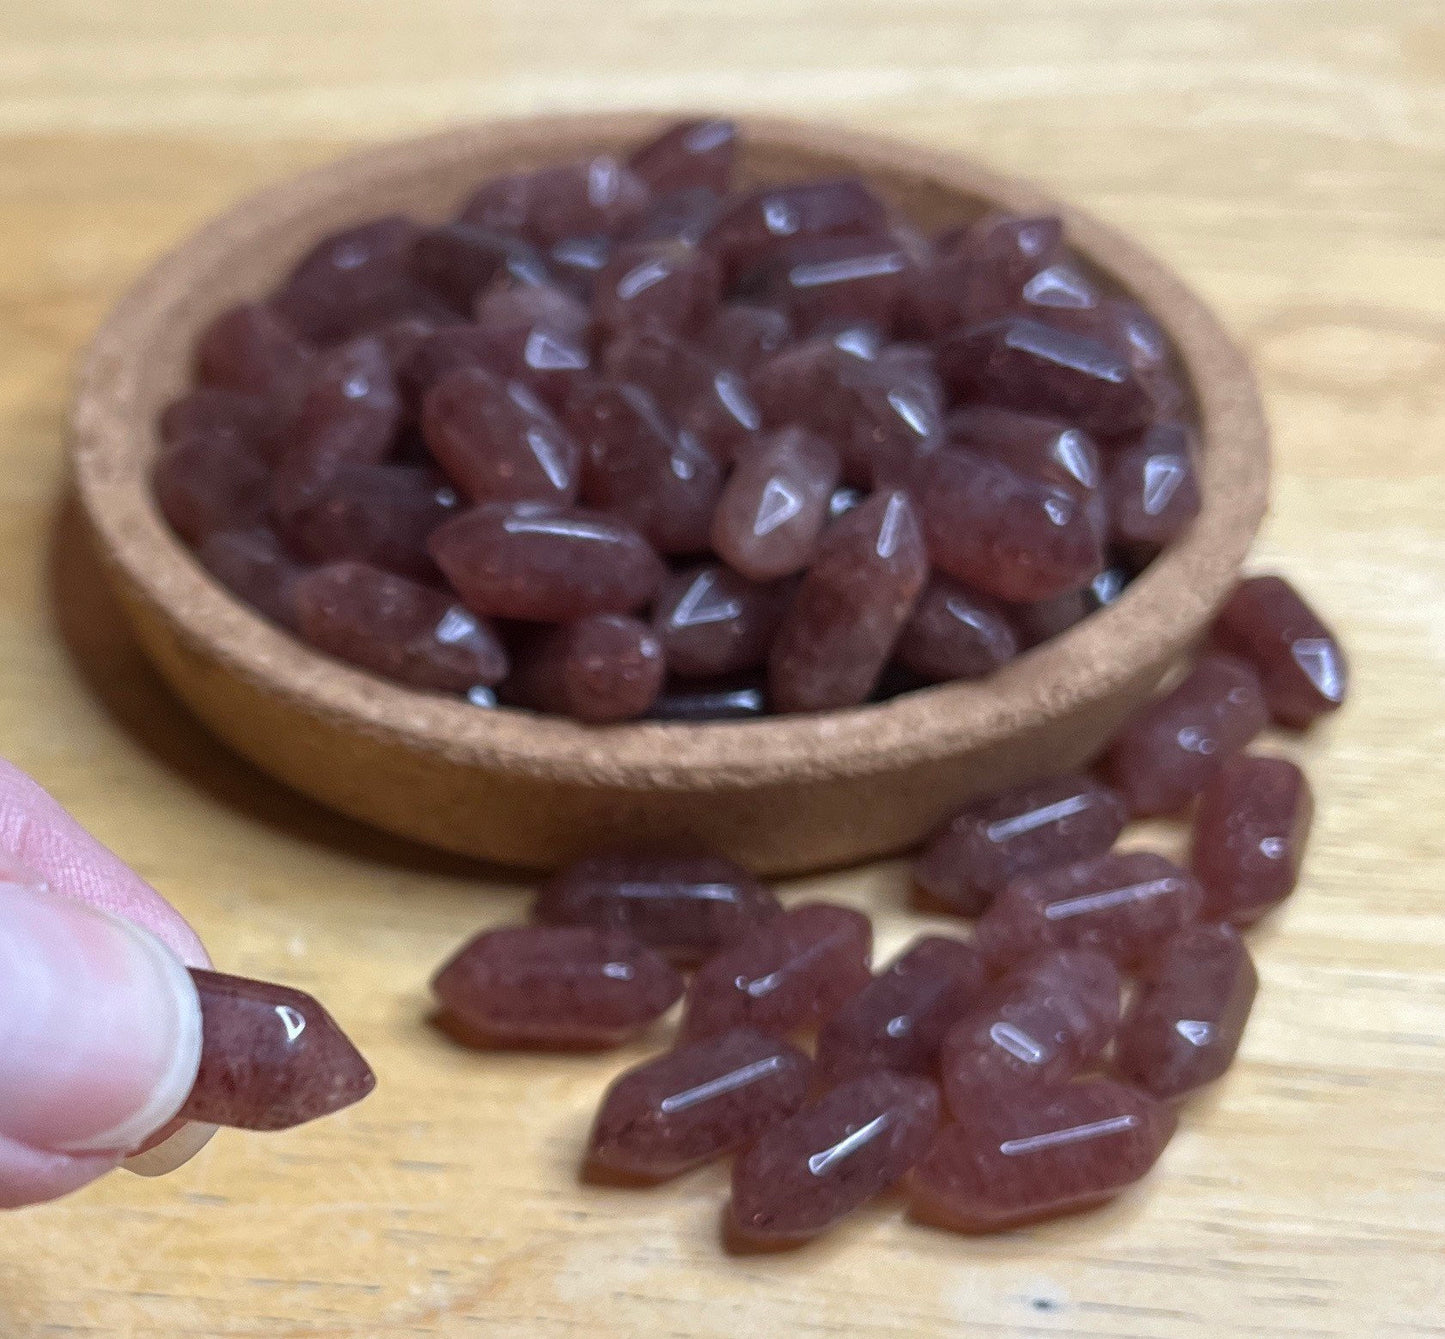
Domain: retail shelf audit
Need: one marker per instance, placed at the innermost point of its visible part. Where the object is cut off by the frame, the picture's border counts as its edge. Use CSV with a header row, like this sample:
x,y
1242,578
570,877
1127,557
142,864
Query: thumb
x,y
100,1030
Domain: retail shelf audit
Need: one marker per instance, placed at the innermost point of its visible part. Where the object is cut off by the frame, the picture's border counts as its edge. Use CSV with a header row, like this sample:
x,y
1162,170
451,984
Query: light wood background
x,y
1287,155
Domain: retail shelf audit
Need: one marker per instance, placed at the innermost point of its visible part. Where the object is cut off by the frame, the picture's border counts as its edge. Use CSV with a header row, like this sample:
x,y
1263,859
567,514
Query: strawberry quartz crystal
x,y
271,1057
793,971
780,424
898,1020
1035,1153
696,1103
1185,1023
1299,660
804,1175
1041,824
689,906
565,987
1249,836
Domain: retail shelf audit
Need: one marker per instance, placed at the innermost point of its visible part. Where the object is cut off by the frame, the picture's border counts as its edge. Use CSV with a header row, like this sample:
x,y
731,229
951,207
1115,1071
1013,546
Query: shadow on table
x,y
93,630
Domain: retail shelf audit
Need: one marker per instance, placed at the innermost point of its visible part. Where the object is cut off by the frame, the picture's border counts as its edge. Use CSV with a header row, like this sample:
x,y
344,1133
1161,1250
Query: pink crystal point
x,y
398,628
898,1020
638,466
1005,533
712,622
688,156
842,624
1122,905
250,349
1005,252
805,1174
753,227
955,633
1049,1019
601,669
790,972
1033,826
206,483
254,564
271,1057
566,987
696,1103
1185,1024
1299,660
1039,1153
663,285
1020,363
595,196
1164,755
1044,448
458,260
825,281
689,906
1152,491
545,565
772,510
1249,836
742,335
498,442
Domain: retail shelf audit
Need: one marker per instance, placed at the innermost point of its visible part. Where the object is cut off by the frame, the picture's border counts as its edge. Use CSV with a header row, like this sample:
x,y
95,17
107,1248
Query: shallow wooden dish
x,y
783,795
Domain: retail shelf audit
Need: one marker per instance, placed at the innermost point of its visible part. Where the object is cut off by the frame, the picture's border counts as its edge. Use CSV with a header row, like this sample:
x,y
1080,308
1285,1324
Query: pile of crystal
x,y
1029,1066
621,440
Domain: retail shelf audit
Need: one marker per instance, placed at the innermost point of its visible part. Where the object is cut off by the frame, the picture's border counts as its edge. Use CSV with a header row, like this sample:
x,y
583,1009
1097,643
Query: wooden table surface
x,y
1288,156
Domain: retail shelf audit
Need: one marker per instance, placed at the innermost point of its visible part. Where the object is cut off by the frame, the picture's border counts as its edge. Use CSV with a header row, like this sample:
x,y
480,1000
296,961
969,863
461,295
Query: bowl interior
x,y
141,359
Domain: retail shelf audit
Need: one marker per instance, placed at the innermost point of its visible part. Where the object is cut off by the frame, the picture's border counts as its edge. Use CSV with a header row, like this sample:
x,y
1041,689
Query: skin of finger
x,y
37,834
28,1176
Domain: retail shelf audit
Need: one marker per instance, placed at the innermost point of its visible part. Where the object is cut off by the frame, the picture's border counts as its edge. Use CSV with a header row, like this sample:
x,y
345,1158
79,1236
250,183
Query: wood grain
x,y
1288,156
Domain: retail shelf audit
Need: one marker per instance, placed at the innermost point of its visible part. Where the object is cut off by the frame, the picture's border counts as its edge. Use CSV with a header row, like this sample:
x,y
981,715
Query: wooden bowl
x,y
782,795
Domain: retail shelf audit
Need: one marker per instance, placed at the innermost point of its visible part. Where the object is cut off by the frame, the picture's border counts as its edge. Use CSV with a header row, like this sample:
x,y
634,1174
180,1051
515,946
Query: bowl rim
x,y
1167,602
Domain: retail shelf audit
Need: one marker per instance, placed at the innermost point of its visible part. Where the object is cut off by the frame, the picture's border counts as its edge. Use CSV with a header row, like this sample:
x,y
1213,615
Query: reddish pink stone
x,y
898,1020
253,564
636,465
376,514
1004,533
695,1104
543,565
1300,661
1122,905
665,285
1249,836
711,621
1152,491
497,441
1132,333
753,226
576,262
1043,619
804,1175
822,281
1163,756
1185,1024
702,703
207,483
1039,1153
251,350
350,415
680,216
1028,827
457,261
600,669
597,195
689,906
789,973
240,421
397,628
772,510
696,392
741,336
1049,1019
687,156
1006,251
271,1057
535,333
1040,447
356,280
955,634
841,626
1020,363
565,987
1061,287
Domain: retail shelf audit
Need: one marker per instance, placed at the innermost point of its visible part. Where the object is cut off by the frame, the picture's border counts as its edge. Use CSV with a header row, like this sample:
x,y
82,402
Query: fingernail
x,y
173,1152
100,1026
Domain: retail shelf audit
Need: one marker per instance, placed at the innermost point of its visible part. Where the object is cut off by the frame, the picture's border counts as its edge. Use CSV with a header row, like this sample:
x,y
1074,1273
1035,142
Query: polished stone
x,y
457,261
664,285
753,227
713,622
205,483
955,633
250,349
1152,491
600,669
1034,444
687,156
597,195
254,565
